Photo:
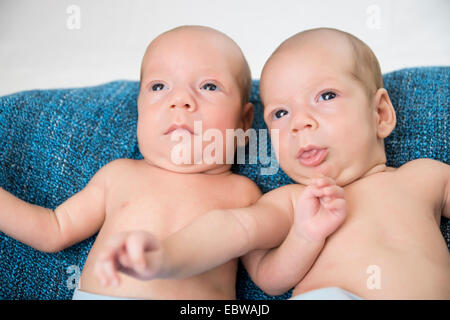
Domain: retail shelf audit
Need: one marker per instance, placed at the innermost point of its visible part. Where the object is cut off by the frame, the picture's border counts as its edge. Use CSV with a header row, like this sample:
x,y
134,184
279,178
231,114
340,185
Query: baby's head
x,y
323,90
191,74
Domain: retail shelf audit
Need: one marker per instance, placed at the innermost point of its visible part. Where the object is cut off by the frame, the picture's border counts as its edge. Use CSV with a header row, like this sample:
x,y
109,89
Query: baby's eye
x,y
279,114
327,96
209,86
158,87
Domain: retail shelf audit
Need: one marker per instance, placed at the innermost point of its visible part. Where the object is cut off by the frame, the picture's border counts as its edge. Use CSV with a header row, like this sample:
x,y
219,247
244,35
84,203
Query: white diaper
x,y
82,295
332,293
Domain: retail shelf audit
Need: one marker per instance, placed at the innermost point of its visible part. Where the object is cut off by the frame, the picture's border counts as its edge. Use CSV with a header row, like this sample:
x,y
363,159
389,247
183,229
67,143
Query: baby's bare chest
x,y
386,200
163,206
384,216
390,226
388,210
384,213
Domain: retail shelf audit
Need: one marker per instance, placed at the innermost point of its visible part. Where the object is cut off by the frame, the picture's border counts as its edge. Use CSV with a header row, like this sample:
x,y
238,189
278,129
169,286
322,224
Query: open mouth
x,y
183,129
312,156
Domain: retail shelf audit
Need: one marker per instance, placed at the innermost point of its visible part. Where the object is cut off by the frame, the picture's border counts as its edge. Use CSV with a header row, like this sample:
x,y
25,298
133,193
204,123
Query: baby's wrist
x,y
319,242
304,238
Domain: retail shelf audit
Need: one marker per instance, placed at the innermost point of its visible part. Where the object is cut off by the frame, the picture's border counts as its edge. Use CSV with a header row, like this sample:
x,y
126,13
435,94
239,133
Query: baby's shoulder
x,y
244,187
428,174
424,166
117,169
119,165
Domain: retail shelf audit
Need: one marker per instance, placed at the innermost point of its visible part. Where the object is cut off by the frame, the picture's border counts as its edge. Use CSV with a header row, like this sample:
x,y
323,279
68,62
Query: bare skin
x,y
188,74
350,219
391,224
312,96
170,200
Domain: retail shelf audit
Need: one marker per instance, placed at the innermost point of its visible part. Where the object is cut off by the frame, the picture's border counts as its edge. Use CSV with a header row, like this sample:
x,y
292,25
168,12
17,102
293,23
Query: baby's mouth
x,y
312,156
179,128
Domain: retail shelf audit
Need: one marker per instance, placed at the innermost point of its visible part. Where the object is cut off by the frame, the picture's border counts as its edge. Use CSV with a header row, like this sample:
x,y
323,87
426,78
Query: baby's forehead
x,y
311,54
197,49
331,39
196,52
329,48
309,61
199,41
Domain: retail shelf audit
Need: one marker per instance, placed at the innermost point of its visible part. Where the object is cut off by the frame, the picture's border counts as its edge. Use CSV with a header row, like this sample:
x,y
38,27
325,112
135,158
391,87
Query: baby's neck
x,y
377,169
221,170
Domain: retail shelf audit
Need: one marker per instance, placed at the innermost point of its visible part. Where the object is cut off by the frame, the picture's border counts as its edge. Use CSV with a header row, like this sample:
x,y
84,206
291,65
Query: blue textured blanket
x,y
53,141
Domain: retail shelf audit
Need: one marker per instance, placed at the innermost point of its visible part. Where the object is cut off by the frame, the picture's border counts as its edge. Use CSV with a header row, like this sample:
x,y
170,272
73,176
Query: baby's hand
x,y
135,253
320,209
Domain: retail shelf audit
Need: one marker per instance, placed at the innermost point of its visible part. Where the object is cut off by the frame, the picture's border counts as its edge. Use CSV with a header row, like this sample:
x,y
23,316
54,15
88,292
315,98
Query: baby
x,y
323,90
188,74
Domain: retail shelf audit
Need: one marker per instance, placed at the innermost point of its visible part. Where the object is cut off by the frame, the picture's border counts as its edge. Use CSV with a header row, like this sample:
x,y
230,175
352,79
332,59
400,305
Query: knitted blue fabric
x,y
53,141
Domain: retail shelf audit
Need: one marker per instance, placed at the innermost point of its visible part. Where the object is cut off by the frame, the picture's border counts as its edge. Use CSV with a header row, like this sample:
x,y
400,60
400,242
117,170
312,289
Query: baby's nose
x,y
182,101
184,106
303,122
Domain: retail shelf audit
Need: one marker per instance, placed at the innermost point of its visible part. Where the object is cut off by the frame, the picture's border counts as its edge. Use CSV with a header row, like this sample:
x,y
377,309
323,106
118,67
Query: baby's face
x,y
187,77
324,116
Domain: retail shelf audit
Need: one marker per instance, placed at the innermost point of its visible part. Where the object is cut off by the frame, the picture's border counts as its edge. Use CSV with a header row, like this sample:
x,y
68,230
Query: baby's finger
x,y
336,206
124,259
106,269
312,192
322,181
135,247
113,246
333,192
110,273
100,273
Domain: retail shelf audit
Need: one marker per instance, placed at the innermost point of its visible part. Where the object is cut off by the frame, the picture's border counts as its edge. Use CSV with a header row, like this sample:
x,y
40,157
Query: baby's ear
x,y
385,113
247,116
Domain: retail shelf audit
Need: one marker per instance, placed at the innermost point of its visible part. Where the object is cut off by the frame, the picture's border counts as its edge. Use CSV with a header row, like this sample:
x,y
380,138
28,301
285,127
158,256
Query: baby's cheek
x,y
145,129
220,122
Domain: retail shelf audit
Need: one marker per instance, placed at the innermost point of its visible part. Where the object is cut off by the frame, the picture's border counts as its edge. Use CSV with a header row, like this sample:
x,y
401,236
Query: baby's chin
x,y
189,168
303,175
341,178
303,180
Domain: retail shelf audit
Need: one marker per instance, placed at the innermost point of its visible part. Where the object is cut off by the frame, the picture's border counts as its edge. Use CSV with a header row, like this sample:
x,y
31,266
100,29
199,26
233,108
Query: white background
x,y
40,46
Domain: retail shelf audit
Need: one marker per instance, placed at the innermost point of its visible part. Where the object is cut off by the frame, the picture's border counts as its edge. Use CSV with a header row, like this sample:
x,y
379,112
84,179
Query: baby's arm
x,y
74,220
432,176
446,206
318,212
211,240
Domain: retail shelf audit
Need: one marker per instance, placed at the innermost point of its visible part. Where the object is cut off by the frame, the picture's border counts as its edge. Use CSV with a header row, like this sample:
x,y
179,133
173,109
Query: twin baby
x,y
175,231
